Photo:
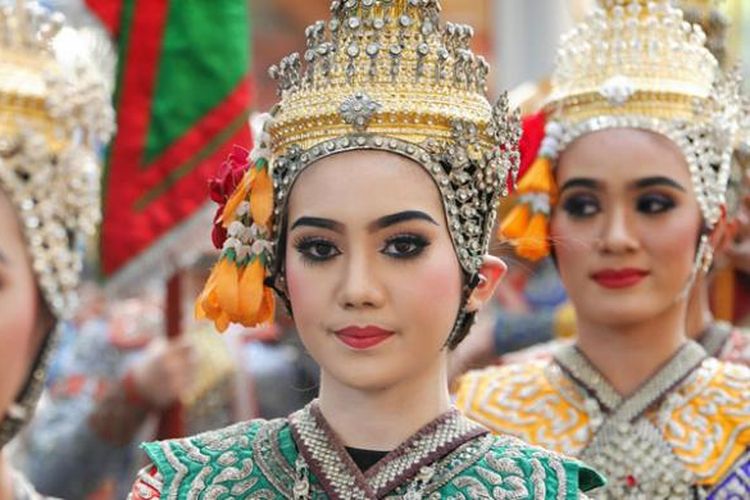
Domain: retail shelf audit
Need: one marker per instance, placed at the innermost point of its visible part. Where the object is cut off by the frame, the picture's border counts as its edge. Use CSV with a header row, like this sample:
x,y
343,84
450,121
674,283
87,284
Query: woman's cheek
x,y
433,285
570,251
18,313
672,247
306,291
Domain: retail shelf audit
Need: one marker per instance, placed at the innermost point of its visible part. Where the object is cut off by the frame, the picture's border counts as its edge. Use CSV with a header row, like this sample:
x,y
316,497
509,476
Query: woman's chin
x,y
619,311
365,375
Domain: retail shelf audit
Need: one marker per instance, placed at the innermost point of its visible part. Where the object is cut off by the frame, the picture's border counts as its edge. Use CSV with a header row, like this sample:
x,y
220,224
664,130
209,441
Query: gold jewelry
x,y
379,75
52,117
386,74
638,64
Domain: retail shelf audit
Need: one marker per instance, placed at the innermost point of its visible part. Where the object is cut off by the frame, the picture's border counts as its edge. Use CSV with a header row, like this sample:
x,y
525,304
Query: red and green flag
x,y
182,100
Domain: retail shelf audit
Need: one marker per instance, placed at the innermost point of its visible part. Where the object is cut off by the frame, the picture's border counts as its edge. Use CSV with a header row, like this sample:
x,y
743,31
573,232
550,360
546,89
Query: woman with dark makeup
x,y
368,206
631,175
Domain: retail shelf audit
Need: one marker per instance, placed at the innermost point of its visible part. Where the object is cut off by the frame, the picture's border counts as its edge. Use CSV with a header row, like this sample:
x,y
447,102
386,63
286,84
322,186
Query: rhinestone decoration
x,y
53,116
627,447
636,64
358,110
617,90
389,75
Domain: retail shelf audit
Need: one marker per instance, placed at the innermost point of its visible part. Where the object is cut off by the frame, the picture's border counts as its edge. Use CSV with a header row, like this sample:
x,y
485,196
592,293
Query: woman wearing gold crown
x,y
632,174
368,207
54,110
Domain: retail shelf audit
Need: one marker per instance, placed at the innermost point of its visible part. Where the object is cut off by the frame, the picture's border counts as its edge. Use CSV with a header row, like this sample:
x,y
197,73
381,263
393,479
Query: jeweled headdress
x,y
54,111
714,22
381,75
634,64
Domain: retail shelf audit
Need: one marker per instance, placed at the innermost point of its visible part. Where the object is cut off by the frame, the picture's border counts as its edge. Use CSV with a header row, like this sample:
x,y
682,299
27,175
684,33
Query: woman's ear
x,y
490,274
723,232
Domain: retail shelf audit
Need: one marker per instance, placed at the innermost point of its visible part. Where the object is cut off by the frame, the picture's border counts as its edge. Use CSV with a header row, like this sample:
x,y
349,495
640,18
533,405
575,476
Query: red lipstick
x,y
619,278
363,337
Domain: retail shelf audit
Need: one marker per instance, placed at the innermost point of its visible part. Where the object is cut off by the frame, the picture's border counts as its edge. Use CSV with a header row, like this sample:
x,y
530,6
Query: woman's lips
x,y
363,337
619,278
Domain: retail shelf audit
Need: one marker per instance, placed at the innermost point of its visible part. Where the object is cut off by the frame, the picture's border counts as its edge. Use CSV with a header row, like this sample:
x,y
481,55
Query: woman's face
x,y
626,225
20,333
372,275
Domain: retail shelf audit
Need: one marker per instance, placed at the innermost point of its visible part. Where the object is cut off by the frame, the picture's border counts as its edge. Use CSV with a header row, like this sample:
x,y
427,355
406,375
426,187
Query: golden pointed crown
x,y
633,57
386,66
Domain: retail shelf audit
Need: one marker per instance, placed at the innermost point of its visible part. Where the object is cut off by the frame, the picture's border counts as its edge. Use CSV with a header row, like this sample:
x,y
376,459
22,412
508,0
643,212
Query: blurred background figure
x,y
112,373
522,327
113,377
54,114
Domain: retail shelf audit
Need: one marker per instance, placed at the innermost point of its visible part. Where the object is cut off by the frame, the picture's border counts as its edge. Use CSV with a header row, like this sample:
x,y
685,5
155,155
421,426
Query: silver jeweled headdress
x,y
638,64
380,75
54,111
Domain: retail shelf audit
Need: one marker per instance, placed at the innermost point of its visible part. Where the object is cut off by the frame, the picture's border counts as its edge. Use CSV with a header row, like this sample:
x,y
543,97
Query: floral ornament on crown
x,y
526,226
236,291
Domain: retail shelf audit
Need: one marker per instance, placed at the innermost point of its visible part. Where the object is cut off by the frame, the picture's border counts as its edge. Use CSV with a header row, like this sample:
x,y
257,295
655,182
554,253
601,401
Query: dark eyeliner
x,y
307,244
654,204
580,206
418,244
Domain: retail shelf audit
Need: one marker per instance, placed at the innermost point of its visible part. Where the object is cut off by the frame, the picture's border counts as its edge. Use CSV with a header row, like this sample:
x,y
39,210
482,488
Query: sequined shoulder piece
x,y
533,401
505,467
220,462
706,419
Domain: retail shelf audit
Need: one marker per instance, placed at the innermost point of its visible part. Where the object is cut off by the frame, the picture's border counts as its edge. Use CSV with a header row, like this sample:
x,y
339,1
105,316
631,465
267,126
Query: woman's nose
x,y
617,235
360,286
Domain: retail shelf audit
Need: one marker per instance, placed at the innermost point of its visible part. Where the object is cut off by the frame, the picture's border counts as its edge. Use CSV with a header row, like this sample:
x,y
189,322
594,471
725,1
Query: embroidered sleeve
x,y
147,486
516,470
707,421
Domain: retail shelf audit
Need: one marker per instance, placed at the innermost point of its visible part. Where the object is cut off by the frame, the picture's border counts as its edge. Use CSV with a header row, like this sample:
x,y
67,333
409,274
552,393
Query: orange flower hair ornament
x,y
235,291
526,226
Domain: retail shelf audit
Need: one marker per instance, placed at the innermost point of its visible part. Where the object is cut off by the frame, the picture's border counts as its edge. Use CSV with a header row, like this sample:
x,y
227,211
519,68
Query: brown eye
x,y
581,206
317,249
404,247
655,204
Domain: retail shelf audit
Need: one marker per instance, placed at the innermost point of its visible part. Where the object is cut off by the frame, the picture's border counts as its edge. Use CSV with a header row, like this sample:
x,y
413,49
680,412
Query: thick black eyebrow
x,y
398,218
319,223
584,182
648,182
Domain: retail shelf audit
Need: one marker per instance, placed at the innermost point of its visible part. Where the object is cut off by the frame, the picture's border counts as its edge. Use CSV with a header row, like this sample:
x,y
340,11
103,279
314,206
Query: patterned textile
x,y
301,458
720,340
681,433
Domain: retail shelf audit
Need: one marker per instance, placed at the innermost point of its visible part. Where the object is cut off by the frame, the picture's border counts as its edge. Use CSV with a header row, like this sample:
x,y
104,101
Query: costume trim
x,y
334,468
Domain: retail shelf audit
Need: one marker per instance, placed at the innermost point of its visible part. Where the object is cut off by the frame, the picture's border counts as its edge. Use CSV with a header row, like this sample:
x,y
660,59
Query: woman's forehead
x,y
364,181
622,155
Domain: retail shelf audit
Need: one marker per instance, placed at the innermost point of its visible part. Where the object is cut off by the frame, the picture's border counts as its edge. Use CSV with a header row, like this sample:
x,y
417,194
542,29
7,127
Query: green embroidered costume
x,y
301,458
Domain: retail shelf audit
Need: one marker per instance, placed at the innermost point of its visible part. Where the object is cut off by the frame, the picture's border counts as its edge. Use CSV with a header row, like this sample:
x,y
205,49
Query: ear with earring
x,y
705,255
